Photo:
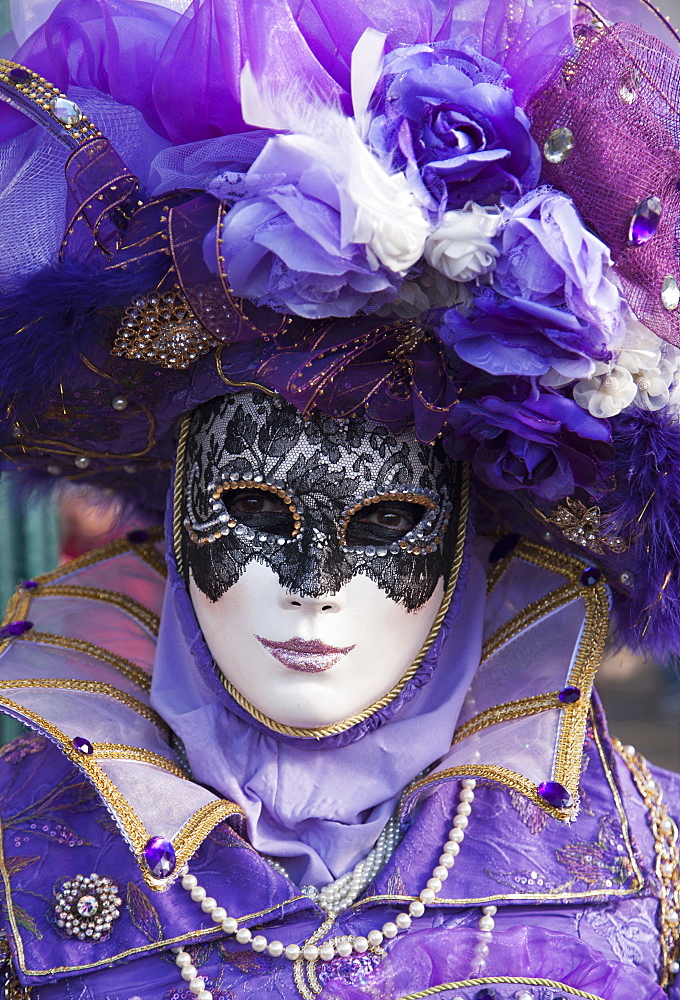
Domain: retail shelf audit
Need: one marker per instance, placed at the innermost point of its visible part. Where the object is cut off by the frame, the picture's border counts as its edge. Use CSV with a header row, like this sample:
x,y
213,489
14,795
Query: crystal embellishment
x,y
670,293
65,111
555,794
162,329
569,695
558,145
14,629
83,745
645,221
159,855
86,907
19,75
590,576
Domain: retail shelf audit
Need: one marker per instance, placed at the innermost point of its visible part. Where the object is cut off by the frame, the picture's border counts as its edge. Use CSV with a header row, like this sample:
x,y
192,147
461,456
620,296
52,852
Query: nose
x,y
324,604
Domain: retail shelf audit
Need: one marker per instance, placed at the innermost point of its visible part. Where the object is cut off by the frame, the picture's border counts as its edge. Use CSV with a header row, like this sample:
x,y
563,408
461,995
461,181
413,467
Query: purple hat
x,y
464,223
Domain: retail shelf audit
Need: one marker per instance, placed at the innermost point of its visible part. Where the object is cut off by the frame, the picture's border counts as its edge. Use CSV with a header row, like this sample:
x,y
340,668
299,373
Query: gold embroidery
x,y
238,385
123,666
509,710
353,720
127,604
667,863
92,687
119,751
500,980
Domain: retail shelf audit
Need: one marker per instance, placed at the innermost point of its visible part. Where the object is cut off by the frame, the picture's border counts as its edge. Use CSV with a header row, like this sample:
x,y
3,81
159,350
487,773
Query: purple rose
x,y
518,337
450,116
548,256
516,440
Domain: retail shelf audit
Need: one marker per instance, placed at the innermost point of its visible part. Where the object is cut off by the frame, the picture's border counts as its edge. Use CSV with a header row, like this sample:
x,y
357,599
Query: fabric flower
x,y
518,337
608,392
519,440
452,120
548,256
461,247
428,290
322,232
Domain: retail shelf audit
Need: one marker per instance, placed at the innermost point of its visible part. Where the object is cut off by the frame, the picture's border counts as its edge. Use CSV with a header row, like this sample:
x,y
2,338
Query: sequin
x,y
558,145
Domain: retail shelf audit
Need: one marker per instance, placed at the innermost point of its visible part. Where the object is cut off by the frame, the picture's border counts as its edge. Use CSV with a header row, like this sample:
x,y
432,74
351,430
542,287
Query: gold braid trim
x,y
91,687
529,616
120,751
129,669
177,493
500,980
667,862
353,720
124,603
116,548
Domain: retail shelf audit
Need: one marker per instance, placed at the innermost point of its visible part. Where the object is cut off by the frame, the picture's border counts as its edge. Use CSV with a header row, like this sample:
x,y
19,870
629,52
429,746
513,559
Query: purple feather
x,y
645,506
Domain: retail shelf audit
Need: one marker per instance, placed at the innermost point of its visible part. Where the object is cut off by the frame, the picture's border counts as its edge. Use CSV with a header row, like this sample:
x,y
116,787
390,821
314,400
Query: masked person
x,y
397,342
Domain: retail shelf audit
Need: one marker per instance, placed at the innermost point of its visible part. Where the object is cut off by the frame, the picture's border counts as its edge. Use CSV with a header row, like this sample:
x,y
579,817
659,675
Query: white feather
x,y
367,63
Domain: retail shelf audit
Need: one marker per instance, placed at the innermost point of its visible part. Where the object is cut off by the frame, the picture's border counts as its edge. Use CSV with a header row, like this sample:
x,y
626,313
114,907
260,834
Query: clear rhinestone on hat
x,y
670,293
65,111
558,145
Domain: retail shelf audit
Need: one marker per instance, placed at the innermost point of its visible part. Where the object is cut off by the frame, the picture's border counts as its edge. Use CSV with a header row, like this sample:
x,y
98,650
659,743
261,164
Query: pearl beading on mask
x,y
345,946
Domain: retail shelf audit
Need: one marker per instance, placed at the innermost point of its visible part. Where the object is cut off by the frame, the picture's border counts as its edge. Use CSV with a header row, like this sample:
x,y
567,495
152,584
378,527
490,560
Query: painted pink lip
x,y
308,656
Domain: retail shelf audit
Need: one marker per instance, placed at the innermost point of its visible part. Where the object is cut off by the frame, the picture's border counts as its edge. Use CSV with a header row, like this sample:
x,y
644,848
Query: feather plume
x,y
645,503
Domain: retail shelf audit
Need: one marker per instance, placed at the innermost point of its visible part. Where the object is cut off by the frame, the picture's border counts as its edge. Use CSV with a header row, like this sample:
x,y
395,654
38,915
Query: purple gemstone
x,y
590,576
29,584
555,795
645,220
486,994
569,695
80,743
15,628
137,536
503,547
159,855
19,75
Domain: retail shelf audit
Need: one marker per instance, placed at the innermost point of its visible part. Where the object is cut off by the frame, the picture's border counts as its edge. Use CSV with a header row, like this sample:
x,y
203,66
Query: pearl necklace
x,y
343,891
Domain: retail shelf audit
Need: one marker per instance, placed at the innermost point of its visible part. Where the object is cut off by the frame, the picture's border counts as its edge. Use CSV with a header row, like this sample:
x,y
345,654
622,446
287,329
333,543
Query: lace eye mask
x,y
316,500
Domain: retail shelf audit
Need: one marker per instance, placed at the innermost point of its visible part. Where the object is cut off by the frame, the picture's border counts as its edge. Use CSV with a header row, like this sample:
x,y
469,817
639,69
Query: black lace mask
x,y
317,500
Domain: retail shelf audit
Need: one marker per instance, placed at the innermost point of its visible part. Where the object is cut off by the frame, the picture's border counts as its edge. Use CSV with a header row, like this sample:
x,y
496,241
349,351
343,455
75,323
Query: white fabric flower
x,y
607,392
432,290
653,386
387,217
461,246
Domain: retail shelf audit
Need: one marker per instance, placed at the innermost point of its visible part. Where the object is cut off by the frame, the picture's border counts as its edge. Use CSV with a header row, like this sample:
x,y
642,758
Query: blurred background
x,y
642,699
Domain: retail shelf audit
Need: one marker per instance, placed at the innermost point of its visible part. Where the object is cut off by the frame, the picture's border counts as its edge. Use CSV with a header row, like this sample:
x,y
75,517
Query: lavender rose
x,y
518,337
548,256
519,440
449,115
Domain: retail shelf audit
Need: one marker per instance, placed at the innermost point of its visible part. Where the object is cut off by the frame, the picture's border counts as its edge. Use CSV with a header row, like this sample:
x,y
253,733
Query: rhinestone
x,y
54,470
86,906
19,75
29,584
670,293
569,695
137,536
555,794
81,462
159,855
645,220
590,576
83,745
65,111
119,403
15,628
627,93
558,145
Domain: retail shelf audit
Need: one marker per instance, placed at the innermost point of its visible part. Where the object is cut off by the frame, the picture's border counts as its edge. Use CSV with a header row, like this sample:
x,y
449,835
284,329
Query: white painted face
x,y
317,554
311,661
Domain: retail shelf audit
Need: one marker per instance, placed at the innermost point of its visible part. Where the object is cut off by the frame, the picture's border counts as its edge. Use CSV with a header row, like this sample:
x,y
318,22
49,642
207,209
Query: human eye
x,y
385,521
260,509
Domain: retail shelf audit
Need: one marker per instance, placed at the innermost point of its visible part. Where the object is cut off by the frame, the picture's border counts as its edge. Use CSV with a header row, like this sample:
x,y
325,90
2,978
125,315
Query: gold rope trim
x,y
667,862
129,669
522,708
343,724
197,828
127,604
500,980
90,687
177,493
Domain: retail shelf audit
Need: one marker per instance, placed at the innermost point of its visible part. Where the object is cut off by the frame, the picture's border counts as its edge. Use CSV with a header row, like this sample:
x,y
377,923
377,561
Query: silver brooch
x,y
86,906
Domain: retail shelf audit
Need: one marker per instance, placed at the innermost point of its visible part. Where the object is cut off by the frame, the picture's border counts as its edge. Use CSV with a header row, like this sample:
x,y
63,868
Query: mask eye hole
x,y
260,509
382,521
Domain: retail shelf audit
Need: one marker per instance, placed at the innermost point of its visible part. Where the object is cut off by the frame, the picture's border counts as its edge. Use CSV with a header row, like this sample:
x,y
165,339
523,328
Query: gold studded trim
x,y
509,710
381,498
124,603
500,980
247,484
41,93
129,669
339,727
667,861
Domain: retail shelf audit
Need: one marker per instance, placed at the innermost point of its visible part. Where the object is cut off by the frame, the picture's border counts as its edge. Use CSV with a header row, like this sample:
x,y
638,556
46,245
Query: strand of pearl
x,y
345,947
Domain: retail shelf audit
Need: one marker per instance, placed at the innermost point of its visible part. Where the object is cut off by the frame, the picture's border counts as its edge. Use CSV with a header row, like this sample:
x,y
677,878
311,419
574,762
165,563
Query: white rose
x,y
606,393
387,217
461,247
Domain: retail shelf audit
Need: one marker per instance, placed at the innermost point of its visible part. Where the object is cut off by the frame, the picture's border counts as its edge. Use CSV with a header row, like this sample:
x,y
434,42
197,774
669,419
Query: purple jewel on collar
x,y
486,994
555,794
29,584
569,695
15,628
590,576
80,743
19,75
137,536
159,855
